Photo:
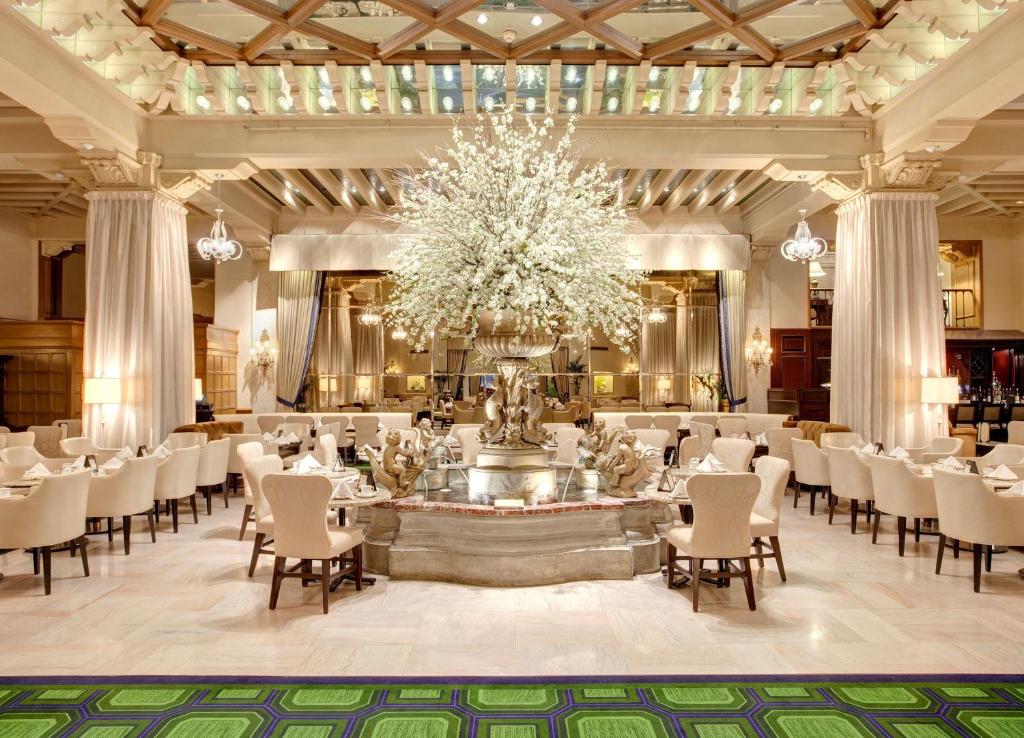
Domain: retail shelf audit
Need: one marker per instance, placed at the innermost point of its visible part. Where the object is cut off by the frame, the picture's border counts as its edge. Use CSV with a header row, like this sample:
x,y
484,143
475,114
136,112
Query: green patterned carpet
x,y
990,707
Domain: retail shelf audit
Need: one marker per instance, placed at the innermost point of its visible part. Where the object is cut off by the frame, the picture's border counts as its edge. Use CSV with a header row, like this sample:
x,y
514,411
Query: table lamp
x,y
102,391
197,385
940,391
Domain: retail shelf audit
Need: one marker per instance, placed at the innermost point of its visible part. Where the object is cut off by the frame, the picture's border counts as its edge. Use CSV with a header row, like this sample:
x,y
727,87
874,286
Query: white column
x,y
138,324
887,327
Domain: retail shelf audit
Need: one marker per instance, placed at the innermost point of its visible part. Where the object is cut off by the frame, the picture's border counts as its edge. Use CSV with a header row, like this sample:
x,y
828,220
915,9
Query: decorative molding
x,y
55,248
111,169
760,253
187,185
909,173
839,187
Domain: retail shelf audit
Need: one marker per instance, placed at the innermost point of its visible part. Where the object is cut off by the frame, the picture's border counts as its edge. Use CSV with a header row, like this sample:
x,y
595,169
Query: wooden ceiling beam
x,y
751,182
683,190
828,38
154,11
365,189
308,191
231,51
571,14
276,188
760,10
679,41
610,8
543,40
863,11
715,189
655,189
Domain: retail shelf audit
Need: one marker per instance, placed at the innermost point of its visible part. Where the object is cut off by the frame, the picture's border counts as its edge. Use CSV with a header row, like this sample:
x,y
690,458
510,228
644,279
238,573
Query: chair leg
x,y
853,516
275,587
695,566
152,525
357,554
83,541
831,507
256,546
325,580
748,583
956,548
938,556
869,508
46,569
758,546
174,515
110,530
224,489
35,561
814,493
126,532
245,521
195,514
796,494
977,548
874,528
671,564
988,558
917,530
156,510
774,540
209,500
901,532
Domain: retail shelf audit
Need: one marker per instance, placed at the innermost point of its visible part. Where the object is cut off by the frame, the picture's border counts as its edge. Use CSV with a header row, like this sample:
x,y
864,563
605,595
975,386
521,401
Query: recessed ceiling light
x,y
536,21
488,74
531,104
322,74
447,73
326,102
407,104
570,74
482,19
87,147
489,103
407,73
775,105
571,104
203,102
243,102
613,104
652,76
816,105
284,102
654,104
1020,202
931,148
447,103
366,104
734,103
613,74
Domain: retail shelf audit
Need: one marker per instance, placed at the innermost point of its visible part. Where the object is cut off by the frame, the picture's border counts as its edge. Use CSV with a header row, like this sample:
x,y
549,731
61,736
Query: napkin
x,y
77,464
710,464
899,453
36,472
161,452
450,441
1002,473
761,439
125,453
268,436
343,490
307,464
869,448
950,462
1016,490
112,463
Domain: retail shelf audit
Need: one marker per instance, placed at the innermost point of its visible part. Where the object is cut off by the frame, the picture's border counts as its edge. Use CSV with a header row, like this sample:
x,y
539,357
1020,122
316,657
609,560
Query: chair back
x,y
706,434
722,504
630,402
734,453
970,511
656,438
691,447
269,423
255,471
77,446
1003,453
351,409
25,438
732,426
366,430
810,465
176,475
47,441
667,422
70,427
127,490
567,440
678,408
965,414
54,512
305,419
470,444
563,416
711,420
951,445
21,455
780,442
547,415
184,440
326,450
301,431
341,420
410,436
237,440
842,440
299,506
899,491
636,422
774,475
213,463
851,477
480,414
462,415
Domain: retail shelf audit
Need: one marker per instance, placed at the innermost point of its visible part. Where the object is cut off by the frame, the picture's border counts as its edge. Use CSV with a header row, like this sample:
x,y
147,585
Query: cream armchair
x,y
234,462
851,480
1003,453
245,454
186,439
937,449
970,511
52,514
722,504
706,434
469,442
366,431
735,453
269,423
299,508
25,438
123,493
842,440
690,447
900,492
255,471
656,439
780,442
176,480
326,450
732,426
764,519
633,422
83,446
22,456
212,473
810,469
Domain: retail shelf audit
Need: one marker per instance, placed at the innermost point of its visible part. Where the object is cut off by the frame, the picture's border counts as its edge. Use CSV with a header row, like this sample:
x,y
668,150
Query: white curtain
x,y
138,323
657,360
332,353
298,307
697,348
732,333
887,330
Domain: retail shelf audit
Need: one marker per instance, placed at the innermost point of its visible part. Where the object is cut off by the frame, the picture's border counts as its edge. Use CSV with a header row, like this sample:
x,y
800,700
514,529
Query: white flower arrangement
x,y
507,221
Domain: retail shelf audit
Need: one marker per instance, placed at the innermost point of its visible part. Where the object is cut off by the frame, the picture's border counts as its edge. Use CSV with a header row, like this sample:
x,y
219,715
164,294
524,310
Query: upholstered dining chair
x,y
691,447
480,414
656,439
366,430
337,425
302,431
937,449
1015,432
176,478
850,480
326,449
563,416
234,461
47,440
810,469
125,492
212,473
186,439
24,438
298,506
304,419
706,434
667,421
567,441
734,453
1003,453
970,511
780,442
462,415
764,519
711,420
71,427
51,514
469,442
269,423
635,422
842,439
255,471
900,492
722,504
732,426
77,446
21,455
245,453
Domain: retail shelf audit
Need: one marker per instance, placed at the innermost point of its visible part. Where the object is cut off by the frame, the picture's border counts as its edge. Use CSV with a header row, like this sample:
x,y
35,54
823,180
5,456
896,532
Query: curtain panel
x,y
298,308
138,325
332,355
697,348
657,358
560,365
887,325
732,332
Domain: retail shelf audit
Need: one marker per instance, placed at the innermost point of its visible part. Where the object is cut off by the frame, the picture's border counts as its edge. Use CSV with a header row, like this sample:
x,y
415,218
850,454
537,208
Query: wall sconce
x,y
263,354
391,368
328,383
758,353
197,389
632,366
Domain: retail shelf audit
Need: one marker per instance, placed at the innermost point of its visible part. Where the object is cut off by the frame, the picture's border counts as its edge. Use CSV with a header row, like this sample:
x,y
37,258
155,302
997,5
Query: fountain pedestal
x,y
518,473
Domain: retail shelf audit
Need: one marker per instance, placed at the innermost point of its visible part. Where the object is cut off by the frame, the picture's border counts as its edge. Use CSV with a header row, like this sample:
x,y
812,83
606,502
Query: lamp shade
x,y
663,383
198,388
940,390
328,383
101,391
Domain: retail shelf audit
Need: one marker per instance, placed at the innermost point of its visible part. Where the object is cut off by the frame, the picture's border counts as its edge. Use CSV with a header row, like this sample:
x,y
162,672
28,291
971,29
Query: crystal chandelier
x,y
370,316
218,246
758,353
399,334
803,247
656,315
263,354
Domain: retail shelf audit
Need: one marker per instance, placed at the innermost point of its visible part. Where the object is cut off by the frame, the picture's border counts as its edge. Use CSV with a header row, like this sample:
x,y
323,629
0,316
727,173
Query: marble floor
x,y
185,606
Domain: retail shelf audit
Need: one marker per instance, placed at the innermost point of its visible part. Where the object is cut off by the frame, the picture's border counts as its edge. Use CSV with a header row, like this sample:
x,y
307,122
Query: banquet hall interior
x,y
511,368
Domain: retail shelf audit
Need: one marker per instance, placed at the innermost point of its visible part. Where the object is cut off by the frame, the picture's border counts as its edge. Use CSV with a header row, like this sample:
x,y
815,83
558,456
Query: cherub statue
x,y
389,468
624,469
534,430
596,442
428,444
494,409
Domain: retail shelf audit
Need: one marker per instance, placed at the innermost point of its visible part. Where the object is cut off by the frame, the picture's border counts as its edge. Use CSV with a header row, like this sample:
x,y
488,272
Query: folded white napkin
x,y
761,439
710,464
869,448
899,453
161,452
1002,473
307,464
36,472
291,438
268,436
451,441
125,453
343,490
950,462
1016,490
112,463
77,464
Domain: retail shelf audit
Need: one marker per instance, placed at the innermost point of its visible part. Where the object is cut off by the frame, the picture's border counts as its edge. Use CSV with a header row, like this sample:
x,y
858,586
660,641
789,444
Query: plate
x,y
366,495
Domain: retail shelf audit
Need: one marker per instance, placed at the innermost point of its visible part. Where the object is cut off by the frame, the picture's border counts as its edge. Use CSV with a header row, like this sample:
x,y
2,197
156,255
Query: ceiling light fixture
x,y
366,75
531,104
488,74
571,75
366,104
734,103
536,21
322,74
654,104
656,315
285,103
243,103
613,104
571,104
203,102
407,73
613,74
447,73
218,246
816,105
406,104
447,103
693,101
326,102
803,247
482,19
489,103
399,334
775,105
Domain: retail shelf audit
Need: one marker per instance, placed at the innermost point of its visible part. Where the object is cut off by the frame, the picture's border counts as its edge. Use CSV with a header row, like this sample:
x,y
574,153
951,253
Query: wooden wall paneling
x,y
216,355
44,376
